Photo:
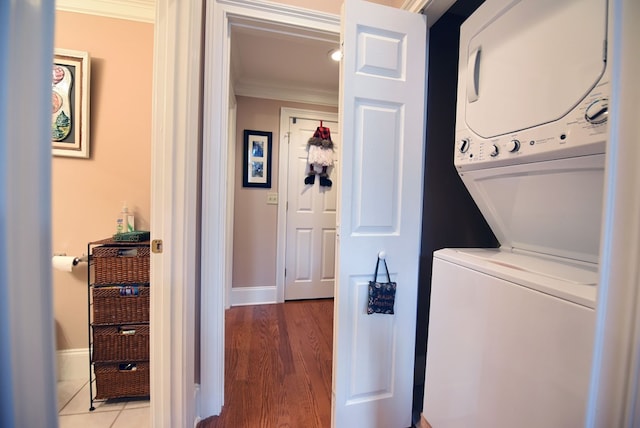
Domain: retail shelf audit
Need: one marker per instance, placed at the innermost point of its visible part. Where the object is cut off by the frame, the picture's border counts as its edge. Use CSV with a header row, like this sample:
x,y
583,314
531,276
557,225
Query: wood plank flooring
x,y
278,366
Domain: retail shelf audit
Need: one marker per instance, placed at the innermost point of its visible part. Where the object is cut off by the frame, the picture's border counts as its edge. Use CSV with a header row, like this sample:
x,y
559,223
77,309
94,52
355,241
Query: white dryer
x,y
511,329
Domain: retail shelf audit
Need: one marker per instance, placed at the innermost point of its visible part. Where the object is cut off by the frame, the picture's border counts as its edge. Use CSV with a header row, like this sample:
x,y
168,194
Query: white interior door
x,y
311,219
379,209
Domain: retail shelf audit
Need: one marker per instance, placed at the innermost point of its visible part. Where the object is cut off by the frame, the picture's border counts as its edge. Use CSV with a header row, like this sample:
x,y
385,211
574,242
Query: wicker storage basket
x,y
115,380
121,343
115,305
121,264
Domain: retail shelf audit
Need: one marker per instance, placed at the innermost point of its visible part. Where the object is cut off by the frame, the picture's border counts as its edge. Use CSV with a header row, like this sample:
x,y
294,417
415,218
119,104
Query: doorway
x,y
311,202
302,79
309,26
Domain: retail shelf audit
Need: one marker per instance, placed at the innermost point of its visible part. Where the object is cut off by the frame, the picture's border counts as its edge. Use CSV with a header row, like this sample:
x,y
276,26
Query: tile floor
x,y
73,409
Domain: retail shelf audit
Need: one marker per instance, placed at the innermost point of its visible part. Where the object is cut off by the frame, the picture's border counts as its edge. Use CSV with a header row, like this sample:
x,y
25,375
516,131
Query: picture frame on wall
x,y
256,170
70,95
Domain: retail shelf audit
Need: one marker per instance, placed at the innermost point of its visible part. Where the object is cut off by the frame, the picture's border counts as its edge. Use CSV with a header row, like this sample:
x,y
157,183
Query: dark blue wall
x,y
450,217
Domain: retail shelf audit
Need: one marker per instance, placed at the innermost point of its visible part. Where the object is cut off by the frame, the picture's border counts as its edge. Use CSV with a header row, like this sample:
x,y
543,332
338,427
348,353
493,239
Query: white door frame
x,y
174,208
286,113
615,372
216,183
231,173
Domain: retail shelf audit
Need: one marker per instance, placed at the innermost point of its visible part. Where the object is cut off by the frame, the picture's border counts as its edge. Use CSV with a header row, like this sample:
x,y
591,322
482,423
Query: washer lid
x,y
557,46
552,208
574,282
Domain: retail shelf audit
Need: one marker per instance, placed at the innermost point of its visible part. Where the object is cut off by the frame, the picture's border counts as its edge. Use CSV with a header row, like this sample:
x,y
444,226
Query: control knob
x,y
598,111
494,151
513,146
463,146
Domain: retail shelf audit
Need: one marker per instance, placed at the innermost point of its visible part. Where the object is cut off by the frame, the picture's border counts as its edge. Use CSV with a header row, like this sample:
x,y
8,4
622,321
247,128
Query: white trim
x,y
215,172
144,10
133,10
231,165
615,375
72,364
289,93
215,184
283,186
243,296
174,204
259,10
432,9
415,6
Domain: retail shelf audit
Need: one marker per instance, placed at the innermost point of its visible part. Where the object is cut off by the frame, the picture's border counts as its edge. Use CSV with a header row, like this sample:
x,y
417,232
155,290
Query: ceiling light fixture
x,y
335,54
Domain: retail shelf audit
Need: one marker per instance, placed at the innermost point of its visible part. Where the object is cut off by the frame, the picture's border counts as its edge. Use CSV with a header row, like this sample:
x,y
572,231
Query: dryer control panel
x,y
581,132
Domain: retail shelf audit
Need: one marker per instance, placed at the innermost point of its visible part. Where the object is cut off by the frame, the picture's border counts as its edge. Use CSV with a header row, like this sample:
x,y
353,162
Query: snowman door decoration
x,y
320,156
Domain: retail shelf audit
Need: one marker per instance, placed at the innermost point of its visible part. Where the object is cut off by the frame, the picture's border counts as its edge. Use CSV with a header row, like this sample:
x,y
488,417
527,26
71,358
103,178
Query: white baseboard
x,y
243,296
72,364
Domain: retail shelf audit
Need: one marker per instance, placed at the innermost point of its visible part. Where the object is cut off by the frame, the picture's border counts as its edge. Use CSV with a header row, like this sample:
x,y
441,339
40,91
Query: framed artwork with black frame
x,y
256,170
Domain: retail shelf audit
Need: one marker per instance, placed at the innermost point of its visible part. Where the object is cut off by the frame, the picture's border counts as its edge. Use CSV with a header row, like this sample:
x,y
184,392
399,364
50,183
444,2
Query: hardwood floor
x,y
278,366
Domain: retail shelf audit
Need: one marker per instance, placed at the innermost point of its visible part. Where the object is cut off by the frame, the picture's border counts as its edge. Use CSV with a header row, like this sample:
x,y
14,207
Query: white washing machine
x,y
511,329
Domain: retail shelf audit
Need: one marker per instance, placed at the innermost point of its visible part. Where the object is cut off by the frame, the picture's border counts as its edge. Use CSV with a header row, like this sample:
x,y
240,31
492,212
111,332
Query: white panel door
x,y
379,209
311,219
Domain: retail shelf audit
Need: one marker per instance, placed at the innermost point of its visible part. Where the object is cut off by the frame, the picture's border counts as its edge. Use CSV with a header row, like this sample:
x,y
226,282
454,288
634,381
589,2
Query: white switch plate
x,y
272,199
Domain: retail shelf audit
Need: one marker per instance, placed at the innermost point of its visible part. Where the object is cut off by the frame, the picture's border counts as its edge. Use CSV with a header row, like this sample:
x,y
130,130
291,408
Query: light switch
x,y
272,199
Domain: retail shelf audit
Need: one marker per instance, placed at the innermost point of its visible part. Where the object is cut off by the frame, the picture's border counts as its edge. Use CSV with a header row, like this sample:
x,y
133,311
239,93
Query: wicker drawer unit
x,y
115,380
120,304
122,264
121,343
119,293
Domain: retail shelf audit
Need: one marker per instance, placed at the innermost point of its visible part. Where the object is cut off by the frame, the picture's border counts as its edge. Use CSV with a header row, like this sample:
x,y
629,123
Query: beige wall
x,y
87,193
255,222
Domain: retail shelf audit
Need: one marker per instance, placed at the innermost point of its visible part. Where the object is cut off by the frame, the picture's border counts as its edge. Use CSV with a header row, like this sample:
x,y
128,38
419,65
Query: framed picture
x,y
70,103
256,171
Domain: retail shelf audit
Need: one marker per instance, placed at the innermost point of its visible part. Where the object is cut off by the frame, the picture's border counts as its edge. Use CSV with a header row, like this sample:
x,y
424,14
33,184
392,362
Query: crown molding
x,y
133,10
284,12
271,91
144,10
415,6
432,9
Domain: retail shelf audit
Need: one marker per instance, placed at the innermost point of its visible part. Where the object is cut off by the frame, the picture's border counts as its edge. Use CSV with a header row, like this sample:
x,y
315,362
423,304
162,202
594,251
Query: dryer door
x,y
530,62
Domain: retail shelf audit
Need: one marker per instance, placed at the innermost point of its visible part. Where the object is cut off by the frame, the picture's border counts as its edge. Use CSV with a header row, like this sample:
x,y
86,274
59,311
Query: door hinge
x,y
156,246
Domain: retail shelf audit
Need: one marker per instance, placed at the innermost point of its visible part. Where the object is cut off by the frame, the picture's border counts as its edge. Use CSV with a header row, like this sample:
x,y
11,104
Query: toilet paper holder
x,y
76,260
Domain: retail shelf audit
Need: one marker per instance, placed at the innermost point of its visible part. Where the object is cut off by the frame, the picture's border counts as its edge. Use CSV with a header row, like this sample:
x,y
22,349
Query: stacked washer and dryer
x,y
511,330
